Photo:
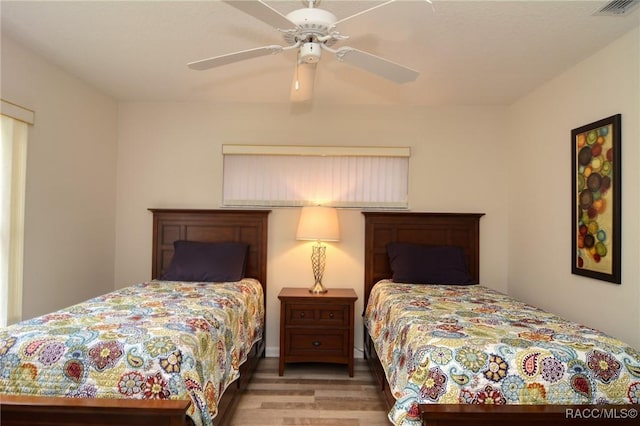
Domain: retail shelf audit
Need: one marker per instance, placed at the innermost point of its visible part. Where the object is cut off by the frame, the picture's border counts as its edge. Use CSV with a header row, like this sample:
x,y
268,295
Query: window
x,y
267,175
13,156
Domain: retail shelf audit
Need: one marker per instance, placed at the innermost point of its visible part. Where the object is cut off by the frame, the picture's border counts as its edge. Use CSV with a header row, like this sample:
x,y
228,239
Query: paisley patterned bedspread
x,y
473,345
154,340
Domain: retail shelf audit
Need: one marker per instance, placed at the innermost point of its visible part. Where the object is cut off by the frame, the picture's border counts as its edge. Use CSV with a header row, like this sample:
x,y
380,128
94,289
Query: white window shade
x,y
302,175
13,158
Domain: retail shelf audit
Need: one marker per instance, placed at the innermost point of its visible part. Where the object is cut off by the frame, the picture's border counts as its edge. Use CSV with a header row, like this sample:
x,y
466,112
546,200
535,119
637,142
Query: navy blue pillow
x,y
425,264
207,262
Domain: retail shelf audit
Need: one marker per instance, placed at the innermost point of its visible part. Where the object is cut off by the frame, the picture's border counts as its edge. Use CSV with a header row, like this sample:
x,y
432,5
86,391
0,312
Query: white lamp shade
x,y
319,224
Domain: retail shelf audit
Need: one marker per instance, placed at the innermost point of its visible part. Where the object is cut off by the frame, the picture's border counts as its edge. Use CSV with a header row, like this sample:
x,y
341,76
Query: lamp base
x,y
318,288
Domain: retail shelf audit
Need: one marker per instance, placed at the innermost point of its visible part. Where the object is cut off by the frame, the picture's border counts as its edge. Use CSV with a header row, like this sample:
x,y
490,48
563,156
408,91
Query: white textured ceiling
x,y
468,52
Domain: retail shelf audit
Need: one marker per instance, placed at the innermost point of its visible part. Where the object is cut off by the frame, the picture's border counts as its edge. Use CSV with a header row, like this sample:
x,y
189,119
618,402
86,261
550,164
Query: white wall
x,y
540,193
70,196
169,155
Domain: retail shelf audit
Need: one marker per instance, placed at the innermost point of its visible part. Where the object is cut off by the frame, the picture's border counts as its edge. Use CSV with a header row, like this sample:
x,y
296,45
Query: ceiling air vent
x,y
617,8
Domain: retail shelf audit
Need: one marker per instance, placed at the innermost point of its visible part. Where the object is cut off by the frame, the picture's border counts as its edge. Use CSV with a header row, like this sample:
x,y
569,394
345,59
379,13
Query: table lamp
x,y
318,223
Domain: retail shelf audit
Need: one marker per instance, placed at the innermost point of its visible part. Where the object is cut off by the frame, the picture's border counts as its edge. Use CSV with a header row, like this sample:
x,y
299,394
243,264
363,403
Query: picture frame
x,y
596,199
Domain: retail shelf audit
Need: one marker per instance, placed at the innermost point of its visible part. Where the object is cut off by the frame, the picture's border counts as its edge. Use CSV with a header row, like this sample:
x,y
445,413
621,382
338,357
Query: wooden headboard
x,y
245,226
382,228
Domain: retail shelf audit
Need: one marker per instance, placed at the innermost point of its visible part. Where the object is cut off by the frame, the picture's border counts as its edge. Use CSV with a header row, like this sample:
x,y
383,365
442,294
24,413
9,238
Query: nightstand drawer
x,y
308,314
310,342
300,314
334,315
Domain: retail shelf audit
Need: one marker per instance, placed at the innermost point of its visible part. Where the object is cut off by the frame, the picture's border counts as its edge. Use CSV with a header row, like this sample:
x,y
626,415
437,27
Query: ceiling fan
x,y
309,30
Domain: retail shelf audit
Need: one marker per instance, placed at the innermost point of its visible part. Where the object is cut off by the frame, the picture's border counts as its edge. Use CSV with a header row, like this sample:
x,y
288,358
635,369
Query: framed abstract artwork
x,y
596,199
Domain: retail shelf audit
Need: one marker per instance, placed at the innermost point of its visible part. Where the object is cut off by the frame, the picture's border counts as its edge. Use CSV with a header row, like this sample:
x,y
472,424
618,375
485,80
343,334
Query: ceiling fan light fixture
x,y
303,82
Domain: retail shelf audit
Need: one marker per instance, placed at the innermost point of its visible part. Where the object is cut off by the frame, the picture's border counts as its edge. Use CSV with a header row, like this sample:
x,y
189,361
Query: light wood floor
x,y
311,394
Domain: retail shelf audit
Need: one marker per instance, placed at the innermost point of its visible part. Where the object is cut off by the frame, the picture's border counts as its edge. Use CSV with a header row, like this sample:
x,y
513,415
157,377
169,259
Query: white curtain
x,y
330,176
13,156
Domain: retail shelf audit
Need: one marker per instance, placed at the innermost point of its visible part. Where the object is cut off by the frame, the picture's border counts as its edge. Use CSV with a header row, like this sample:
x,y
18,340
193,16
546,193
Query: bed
x,y
452,360
180,352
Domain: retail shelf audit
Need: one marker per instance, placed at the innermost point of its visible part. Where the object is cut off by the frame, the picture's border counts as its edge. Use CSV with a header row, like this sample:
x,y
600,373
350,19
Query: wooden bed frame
x,y
460,229
248,226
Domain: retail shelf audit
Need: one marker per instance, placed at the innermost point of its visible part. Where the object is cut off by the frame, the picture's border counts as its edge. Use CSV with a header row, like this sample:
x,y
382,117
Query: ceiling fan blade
x,y
262,11
376,65
365,11
230,58
371,9
303,81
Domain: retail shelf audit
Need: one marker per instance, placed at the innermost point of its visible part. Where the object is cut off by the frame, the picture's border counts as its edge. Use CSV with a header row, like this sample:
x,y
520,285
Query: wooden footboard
x,y
42,411
527,415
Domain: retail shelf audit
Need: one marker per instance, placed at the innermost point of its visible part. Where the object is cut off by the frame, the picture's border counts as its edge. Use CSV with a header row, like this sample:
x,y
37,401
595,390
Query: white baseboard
x,y
271,352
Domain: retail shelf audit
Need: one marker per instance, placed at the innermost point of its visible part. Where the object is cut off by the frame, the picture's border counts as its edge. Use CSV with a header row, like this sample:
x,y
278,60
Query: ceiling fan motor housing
x,y
310,53
311,25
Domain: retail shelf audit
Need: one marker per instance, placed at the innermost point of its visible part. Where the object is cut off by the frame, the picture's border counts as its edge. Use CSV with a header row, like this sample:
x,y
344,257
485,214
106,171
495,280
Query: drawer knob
x,y
316,343
331,315
301,314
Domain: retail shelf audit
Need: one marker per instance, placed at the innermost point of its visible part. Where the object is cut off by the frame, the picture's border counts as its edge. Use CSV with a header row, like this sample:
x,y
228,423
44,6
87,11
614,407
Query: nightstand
x,y
316,327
